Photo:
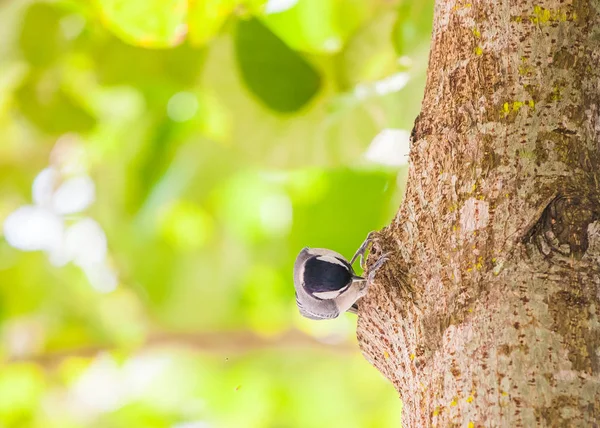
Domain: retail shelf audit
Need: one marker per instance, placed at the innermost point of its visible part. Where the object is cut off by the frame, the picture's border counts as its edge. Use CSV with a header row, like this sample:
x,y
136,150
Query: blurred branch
x,y
232,342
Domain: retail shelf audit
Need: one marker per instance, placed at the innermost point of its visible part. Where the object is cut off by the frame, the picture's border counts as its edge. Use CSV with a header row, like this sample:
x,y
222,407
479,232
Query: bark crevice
x,y
562,228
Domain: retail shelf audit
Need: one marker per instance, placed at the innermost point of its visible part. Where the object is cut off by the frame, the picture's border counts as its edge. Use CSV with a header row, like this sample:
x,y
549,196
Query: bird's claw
x,y
362,250
373,271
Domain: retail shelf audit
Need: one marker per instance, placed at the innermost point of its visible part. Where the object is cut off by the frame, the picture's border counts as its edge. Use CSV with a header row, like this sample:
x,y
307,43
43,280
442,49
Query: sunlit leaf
x,y
369,55
206,17
41,40
45,103
334,130
148,23
277,75
158,72
413,26
317,32
317,26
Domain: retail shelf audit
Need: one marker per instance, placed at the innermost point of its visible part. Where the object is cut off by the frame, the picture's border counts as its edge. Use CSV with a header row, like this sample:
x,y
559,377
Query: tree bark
x,y
488,312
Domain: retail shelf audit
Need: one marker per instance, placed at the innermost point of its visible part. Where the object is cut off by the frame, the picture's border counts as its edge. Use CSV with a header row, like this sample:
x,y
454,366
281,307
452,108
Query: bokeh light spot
x,y
276,6
185,225
276,214
182,106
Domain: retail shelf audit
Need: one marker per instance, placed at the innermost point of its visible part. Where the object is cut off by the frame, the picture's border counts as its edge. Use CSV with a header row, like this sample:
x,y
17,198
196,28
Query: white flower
x,y
74,195
42,226
33,228
387,85
85,243
390,84
390,148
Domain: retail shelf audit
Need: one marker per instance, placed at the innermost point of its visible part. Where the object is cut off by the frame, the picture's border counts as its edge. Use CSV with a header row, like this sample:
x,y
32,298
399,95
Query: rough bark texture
x,y
488,314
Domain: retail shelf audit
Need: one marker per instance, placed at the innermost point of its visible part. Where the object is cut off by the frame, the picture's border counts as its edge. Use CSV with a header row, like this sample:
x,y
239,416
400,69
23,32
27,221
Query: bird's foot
x,y
373,271
362,250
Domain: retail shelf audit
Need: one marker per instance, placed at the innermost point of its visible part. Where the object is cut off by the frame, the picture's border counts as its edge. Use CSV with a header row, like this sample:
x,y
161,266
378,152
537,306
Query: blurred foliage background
x,y
190,149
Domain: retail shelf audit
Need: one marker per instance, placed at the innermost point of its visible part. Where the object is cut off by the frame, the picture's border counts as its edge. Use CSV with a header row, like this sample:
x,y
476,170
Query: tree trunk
x,y
488,312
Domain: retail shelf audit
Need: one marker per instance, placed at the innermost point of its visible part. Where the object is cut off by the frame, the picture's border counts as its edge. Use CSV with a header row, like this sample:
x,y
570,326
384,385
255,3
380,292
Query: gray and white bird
x,y
326,284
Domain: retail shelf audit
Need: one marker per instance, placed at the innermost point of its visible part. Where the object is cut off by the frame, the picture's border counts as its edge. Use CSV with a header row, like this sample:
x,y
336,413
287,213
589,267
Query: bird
x,y
326,284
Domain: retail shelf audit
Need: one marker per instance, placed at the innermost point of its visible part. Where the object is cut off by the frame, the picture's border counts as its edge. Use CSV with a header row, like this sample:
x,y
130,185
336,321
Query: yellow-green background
x,y
203,216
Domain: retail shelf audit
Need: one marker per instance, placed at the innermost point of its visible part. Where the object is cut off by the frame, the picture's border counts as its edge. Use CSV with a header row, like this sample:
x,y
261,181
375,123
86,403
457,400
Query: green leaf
x,y
369,55
413,26
277,75
148,23
159,72
50,107
206,17
319,26
309,26
41,40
